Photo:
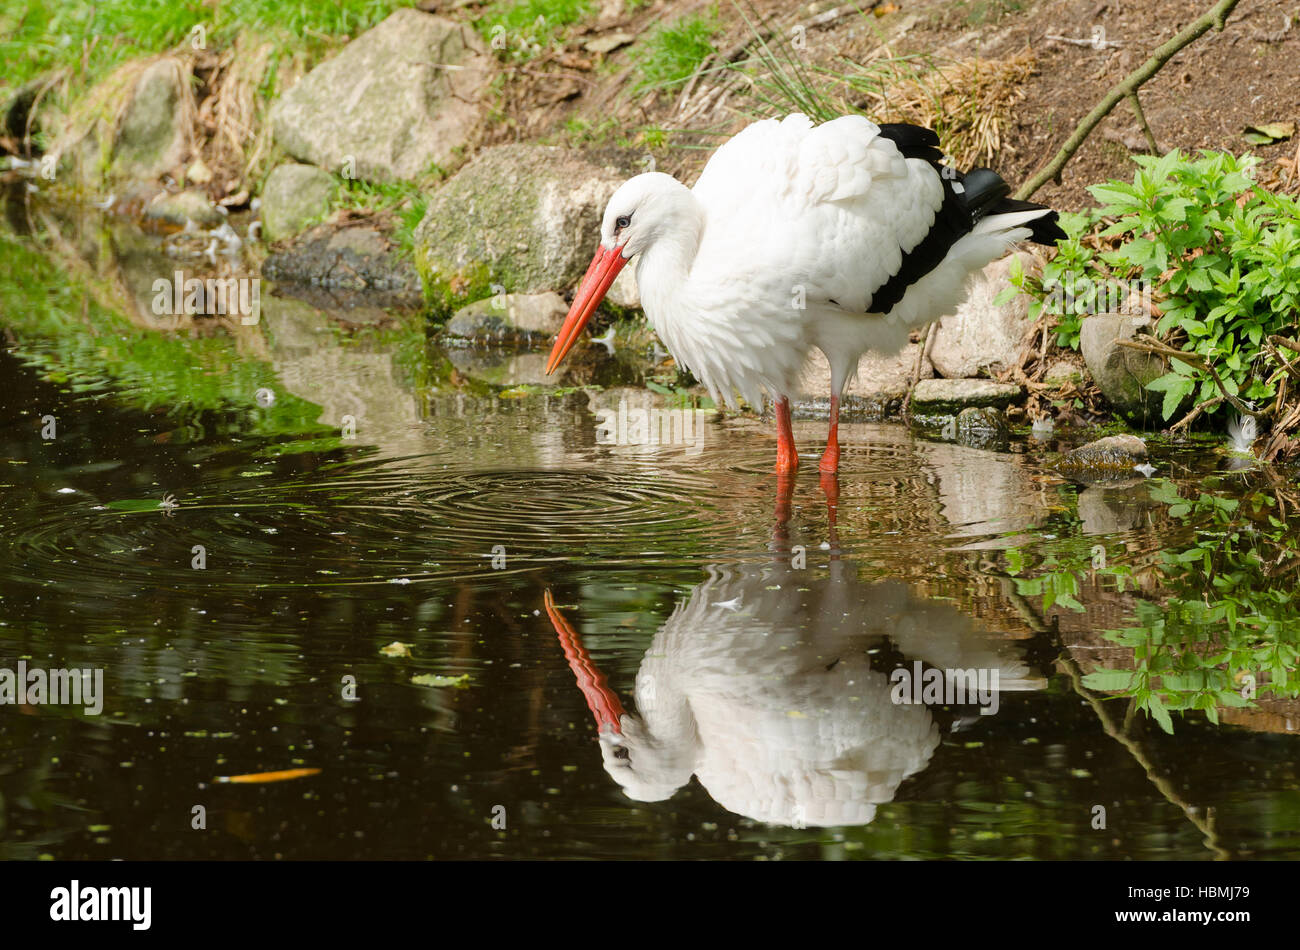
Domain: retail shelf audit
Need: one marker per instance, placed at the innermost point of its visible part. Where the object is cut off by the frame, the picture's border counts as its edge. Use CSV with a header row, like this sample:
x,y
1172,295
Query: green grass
x,y
523,28
90,39
672,53
407,199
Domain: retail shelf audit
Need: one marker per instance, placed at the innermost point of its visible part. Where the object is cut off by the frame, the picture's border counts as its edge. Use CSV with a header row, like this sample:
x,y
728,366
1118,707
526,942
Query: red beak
x,y
595,284
601,700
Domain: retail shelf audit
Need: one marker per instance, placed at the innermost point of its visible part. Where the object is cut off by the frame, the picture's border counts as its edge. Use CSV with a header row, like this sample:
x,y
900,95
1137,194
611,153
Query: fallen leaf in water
x,y
396,648
1269,132
253,777
433,679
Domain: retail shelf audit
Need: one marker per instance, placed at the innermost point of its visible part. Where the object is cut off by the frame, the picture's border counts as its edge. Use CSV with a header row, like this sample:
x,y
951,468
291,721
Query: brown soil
x,y
1203,98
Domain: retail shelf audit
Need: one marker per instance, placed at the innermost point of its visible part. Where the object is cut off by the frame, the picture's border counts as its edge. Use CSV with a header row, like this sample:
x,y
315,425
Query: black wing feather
x,y
967,197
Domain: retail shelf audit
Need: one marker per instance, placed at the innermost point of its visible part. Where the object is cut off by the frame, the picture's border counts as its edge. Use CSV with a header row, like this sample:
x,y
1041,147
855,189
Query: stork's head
x,y
649,769
643,210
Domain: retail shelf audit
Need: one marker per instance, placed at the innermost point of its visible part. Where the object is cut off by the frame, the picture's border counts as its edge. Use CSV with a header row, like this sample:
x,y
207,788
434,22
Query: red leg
x,y
787,457
831,457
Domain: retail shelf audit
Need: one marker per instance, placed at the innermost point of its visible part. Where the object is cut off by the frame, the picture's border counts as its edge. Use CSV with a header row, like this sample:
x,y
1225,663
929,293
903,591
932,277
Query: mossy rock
x,y
518,219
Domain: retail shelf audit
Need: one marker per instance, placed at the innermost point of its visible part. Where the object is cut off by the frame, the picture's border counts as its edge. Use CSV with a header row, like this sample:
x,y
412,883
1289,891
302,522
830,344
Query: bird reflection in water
x,y
771,684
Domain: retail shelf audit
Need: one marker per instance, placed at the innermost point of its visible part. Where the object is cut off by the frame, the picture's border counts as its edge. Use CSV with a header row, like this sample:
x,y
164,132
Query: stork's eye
x,y
622,221
620,753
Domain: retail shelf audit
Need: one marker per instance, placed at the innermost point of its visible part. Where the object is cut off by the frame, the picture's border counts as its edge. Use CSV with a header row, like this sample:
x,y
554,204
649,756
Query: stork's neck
x,y
665,265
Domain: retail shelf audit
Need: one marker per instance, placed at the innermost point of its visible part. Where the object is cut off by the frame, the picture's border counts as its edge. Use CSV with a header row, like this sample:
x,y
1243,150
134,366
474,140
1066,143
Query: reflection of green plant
x,y
148,369
1061,568
1231,628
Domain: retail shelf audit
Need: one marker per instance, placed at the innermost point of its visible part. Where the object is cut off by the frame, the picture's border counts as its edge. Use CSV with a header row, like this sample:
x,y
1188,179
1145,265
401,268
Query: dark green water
x,y
750,646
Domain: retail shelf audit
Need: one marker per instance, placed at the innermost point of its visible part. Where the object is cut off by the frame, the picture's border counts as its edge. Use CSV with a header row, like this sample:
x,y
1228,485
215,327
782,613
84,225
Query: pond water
x,y
321,542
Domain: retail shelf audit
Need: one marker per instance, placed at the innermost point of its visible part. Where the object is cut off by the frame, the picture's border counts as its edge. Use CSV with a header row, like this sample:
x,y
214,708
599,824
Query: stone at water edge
x,y
514,319
1122,373
877,392
352,255
1115,456
153,136
404,94
983,338
525,218
293,196
982,427
950,396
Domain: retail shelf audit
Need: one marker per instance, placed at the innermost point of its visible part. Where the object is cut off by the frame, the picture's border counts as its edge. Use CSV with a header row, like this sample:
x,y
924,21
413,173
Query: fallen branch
x,y
1215,17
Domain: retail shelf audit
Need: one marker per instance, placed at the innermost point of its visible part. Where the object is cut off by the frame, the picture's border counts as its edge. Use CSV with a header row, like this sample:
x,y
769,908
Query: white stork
x,y
762,684
843,236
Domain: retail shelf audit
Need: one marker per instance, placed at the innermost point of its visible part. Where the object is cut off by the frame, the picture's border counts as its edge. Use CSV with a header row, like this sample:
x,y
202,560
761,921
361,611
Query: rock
x,y
525,218
352,254
1114,457
981,338
153,136
1120,372
982,427
400,96
1063,373
877,392
624,292
184,209
293,196
517,319
949,396
608,43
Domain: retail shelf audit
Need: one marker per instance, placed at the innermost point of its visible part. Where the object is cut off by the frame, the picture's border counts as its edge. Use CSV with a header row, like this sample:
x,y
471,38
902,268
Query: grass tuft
x,y
672,53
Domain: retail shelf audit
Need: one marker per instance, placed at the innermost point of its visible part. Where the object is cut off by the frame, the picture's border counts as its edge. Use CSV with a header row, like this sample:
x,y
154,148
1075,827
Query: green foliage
x,y
40,35
408,199
1068,287
672,53
522,29
1221,256
1226,256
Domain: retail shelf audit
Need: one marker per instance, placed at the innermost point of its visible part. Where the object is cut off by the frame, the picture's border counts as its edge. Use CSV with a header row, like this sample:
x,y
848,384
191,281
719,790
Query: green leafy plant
x,y
1219,255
